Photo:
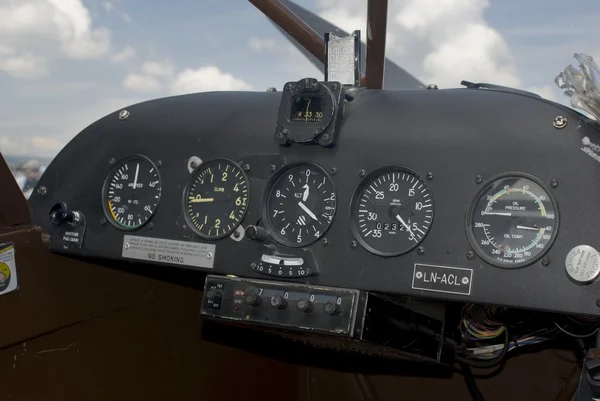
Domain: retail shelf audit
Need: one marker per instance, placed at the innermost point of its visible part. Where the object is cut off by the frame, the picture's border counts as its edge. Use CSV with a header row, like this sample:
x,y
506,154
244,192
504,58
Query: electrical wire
x,y
575,335
491,362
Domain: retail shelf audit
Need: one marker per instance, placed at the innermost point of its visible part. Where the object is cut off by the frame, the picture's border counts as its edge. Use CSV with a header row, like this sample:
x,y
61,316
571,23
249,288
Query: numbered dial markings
x,y
131,193
301,204
216,199
513,221
392,211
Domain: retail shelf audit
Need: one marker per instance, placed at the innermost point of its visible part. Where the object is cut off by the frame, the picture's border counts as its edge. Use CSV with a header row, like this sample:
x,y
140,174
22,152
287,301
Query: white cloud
x,y
111,8
158,68
127,53
142,83
205,79
37,31
260,44
46,144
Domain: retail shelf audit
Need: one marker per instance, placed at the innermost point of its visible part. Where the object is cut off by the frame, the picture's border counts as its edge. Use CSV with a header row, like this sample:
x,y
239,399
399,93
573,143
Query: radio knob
x,y
332,308
279,302
256,233
305,305
253,299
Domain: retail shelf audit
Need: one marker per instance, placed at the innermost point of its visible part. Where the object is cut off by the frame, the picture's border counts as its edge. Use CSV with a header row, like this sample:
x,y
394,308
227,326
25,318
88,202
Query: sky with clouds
x,y
67,63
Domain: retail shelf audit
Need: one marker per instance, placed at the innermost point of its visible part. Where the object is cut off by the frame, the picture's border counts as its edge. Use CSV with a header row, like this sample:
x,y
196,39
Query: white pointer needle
x,y
528,228
498,213
137,170
307,210
401,220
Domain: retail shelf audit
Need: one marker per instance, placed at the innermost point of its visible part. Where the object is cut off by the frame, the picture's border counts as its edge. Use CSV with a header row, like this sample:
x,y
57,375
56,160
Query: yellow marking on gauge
x,y
112,211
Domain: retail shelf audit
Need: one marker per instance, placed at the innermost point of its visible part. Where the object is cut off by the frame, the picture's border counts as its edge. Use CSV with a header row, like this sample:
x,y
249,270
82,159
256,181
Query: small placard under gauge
x,y
173,252
451,280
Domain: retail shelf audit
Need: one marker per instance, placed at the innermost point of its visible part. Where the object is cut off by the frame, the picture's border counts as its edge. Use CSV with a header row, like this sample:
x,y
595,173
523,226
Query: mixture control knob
x,y
213,294
333,308
279,302
305,305
253,299
256,233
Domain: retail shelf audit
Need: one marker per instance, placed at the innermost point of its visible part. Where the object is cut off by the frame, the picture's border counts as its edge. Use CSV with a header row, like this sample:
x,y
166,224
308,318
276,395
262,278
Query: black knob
x,y
256,233
253,299
305,305
332,308
279,302
213,294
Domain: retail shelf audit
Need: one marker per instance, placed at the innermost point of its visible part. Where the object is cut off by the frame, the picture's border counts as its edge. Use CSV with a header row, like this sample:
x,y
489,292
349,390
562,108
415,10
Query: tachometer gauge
x,y
216,199
131,192
513,221
301,204
392,211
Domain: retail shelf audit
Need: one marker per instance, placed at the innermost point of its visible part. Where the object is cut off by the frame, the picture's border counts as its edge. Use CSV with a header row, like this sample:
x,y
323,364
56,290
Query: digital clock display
x,y
306,109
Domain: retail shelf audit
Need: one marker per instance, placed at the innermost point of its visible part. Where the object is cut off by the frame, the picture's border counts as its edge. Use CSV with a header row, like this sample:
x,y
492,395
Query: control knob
x,y
253,299
213,294
333,308
305,305
279,302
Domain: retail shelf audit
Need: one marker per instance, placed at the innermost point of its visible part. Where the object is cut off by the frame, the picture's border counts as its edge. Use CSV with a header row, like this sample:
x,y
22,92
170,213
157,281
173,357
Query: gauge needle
x,y
137,171
498,213
202,200
528,228
305,196
401,220
311,214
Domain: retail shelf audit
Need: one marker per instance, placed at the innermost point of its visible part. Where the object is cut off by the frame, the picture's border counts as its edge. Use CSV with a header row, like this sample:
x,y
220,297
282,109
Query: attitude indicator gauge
x,y
392,211
513,221
301,203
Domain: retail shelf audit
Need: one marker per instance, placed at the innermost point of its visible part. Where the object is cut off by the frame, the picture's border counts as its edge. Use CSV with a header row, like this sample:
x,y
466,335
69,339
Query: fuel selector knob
x,y
305,305
279,302
253,299
214,294
332,308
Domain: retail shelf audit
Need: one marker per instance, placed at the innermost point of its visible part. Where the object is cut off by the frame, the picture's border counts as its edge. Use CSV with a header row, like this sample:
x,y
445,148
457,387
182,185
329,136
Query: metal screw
x,y
209,255
103,221
478,179
127,245
432,86
353,244
150,226
325,242
429,176
470,255
279,135
271,89
246,167
111,160
42,190
362,173
193,164
553,183
317,131
545,262
333,170
325,137
236,234
123,114
159,163
184,227
284,131
421,250
253,265
334,87
559,122
272,167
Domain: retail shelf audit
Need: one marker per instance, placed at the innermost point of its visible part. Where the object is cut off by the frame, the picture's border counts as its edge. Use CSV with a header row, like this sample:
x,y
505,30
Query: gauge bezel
x,y
354,205
104,197
484,188
265,215
186,190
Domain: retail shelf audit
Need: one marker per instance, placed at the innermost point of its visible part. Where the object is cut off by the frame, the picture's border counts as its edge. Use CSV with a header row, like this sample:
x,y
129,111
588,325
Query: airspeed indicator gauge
x,y
215,200
392,211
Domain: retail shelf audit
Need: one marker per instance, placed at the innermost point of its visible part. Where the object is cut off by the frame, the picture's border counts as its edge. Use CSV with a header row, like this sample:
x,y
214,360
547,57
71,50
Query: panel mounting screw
x,y
470,255
103,221
316,132
353,244
236,234
42,190
253,265
123,114
127,245
209,255
285,131
159,163
429,176
553,183
421,250
272,167
325,137
246,167
559,122
325,242
193,164
111,160
478,179
545,262
362,173
333,170
334,87
150,226
279,135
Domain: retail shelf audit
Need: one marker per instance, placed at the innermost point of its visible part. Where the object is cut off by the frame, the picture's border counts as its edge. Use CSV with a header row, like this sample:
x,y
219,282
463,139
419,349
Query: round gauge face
x,y
301,203
392,211
513,221
216,199
131,192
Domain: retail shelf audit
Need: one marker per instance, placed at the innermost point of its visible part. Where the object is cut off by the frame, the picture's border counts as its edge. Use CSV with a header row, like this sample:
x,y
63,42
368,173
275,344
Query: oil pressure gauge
x,y
513,221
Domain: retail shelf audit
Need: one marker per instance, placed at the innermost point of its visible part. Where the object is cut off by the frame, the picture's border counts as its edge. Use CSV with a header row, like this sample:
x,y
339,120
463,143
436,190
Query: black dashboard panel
x,y
458,139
